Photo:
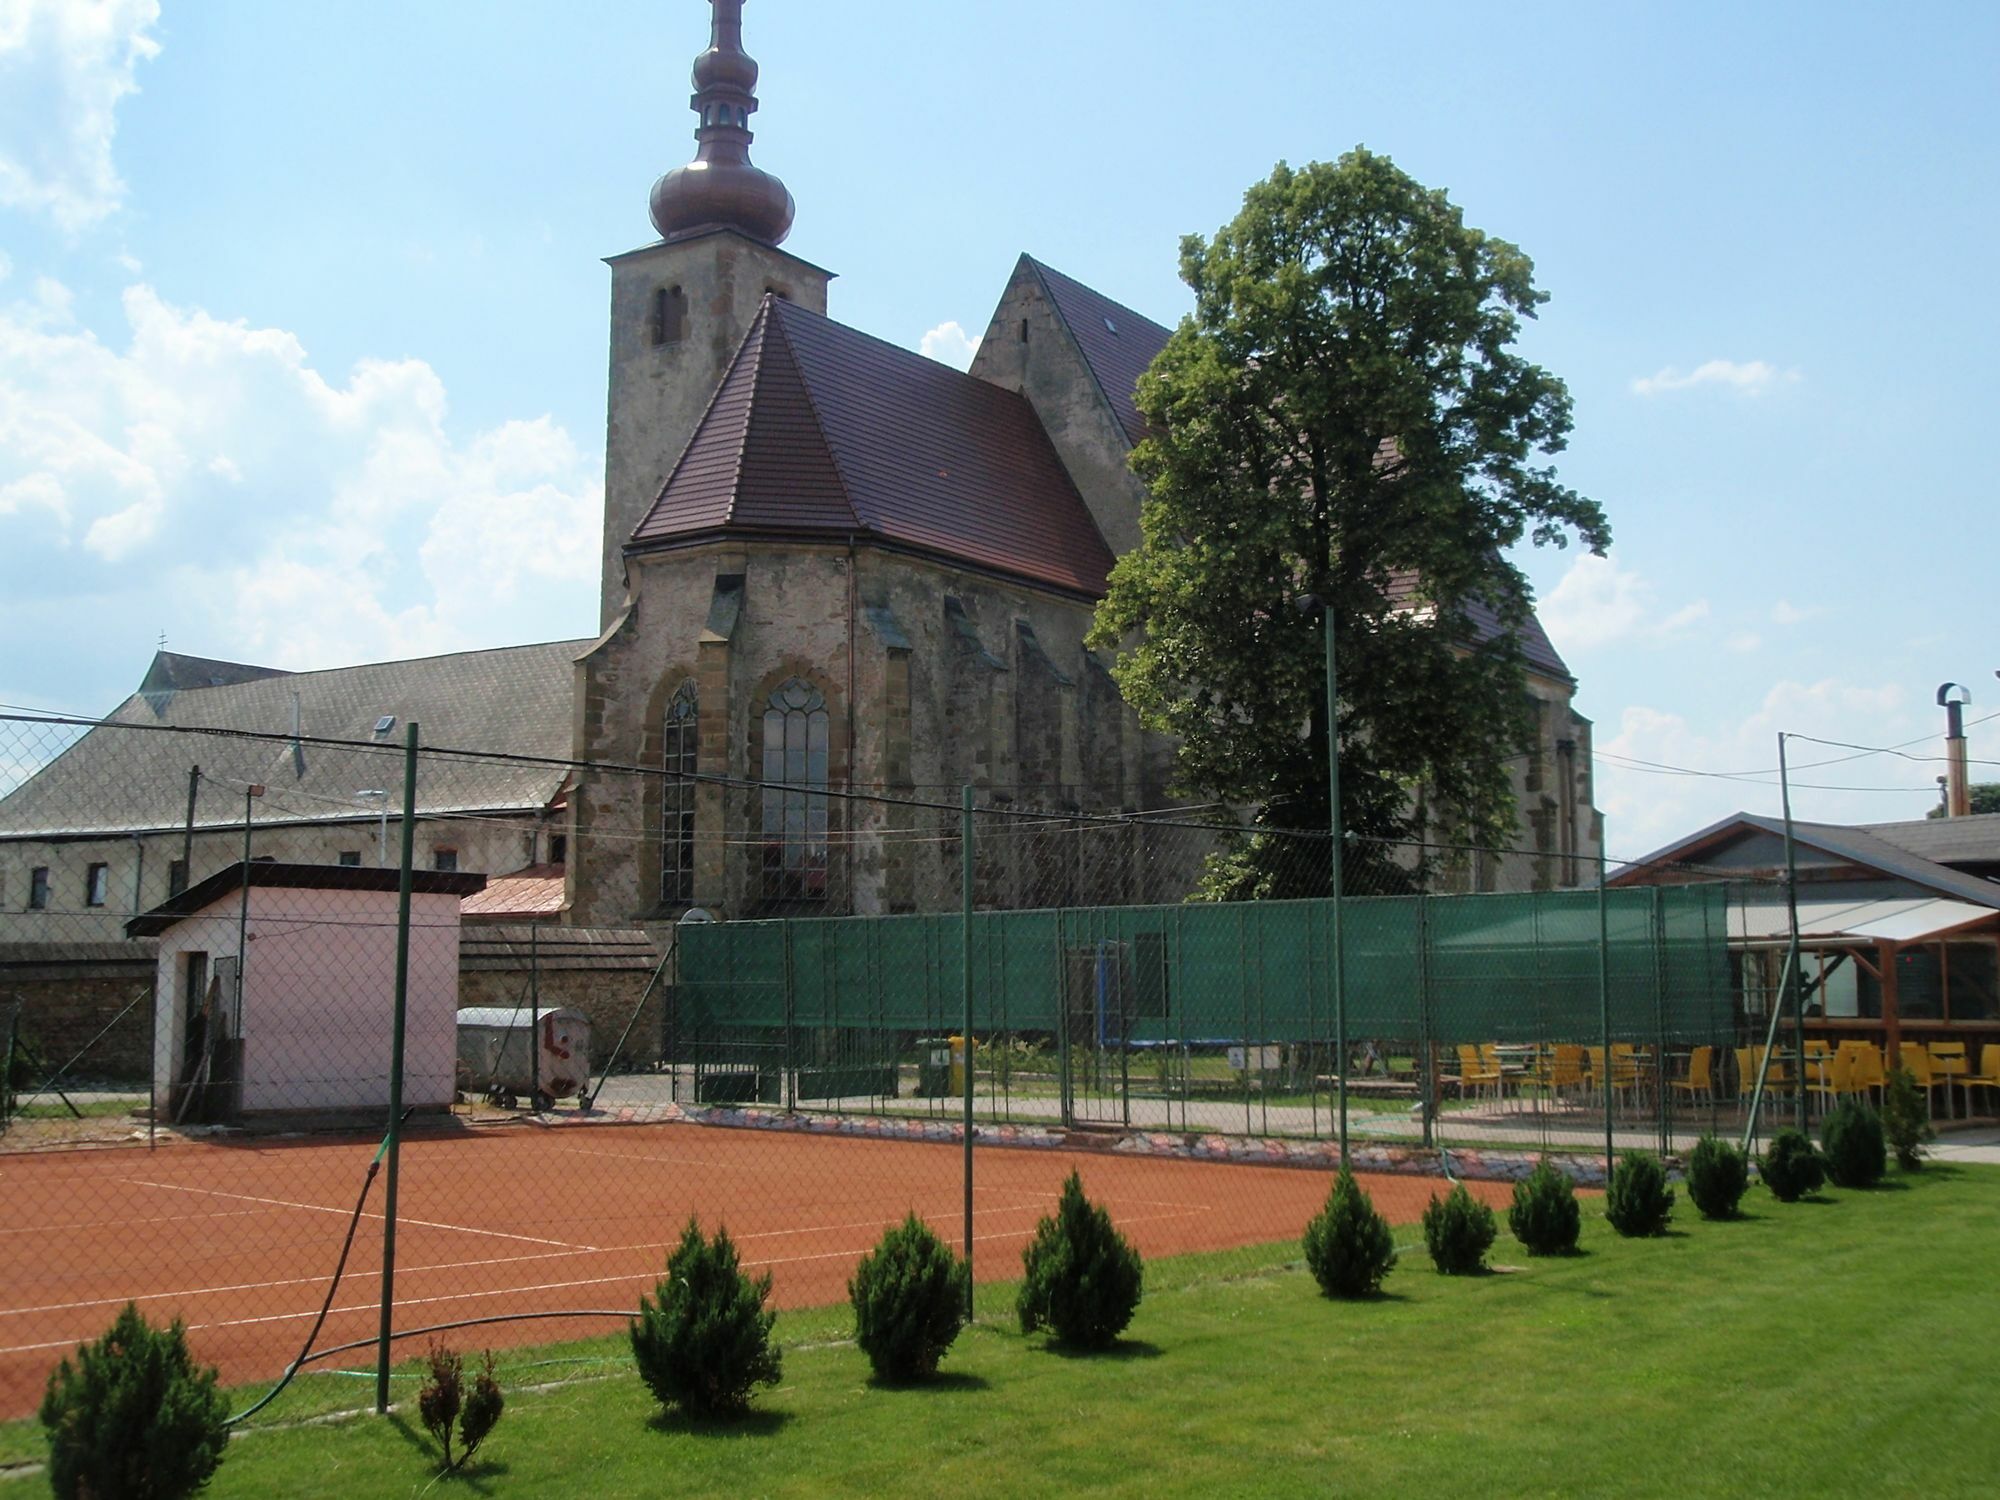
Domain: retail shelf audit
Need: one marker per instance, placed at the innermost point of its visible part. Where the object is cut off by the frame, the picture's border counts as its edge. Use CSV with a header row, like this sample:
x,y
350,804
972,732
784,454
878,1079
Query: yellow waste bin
x,y
958,1064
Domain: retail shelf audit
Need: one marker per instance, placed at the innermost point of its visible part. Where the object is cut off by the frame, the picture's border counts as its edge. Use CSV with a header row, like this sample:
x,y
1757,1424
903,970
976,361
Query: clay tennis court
x,y
238,1239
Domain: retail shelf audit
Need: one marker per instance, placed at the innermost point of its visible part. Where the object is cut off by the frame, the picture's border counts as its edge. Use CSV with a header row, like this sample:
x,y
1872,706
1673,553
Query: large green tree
x,y
1344,415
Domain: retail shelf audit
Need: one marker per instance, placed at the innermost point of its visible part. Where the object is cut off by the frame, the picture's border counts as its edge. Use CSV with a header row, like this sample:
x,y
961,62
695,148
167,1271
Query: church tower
x,y
681,306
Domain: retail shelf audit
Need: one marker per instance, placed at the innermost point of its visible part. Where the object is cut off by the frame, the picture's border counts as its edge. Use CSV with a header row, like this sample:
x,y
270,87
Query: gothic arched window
x,y
795,768
679,738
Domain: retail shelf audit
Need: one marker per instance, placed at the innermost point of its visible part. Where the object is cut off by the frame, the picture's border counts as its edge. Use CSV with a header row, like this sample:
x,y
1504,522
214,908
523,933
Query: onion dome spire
x,y
719,189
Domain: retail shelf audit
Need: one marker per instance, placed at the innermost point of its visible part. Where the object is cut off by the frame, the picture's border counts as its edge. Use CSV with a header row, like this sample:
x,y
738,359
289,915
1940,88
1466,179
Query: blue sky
x,y
302,320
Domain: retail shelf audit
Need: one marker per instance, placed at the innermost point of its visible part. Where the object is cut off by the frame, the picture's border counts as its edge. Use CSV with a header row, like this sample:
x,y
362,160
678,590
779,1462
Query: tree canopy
x,y
1343,415
1983,797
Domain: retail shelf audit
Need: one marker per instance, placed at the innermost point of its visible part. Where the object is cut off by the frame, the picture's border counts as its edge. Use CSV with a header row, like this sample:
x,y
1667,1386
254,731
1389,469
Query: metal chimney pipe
x,y
1952,698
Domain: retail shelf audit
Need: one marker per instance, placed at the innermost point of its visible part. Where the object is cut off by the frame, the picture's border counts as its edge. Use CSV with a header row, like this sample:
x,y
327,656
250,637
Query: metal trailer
x,y
495,1059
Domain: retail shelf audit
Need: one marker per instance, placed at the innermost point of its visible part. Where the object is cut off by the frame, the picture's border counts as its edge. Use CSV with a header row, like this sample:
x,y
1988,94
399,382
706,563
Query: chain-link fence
x,y
629,995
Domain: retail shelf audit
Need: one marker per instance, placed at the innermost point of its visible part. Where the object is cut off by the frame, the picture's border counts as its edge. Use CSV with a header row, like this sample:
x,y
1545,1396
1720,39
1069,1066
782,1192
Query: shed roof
x,y
1974,839
1907,920
534,891
124,776
274,874
819,429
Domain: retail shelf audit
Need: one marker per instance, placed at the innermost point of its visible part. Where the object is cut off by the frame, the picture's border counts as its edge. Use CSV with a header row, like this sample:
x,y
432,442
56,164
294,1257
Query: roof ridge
x,y
752,349
812,403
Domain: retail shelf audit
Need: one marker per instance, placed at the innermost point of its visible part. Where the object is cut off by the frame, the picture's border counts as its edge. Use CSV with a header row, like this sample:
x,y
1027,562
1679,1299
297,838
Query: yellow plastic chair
x,y
1868,1075
1699,1084
1474,1077
1916,1060
1566,1071
1489,1061
1833,1079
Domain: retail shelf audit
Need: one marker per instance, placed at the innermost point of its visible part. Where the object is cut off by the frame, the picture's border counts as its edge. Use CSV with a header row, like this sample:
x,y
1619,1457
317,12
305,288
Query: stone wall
x,y
601,972
67,995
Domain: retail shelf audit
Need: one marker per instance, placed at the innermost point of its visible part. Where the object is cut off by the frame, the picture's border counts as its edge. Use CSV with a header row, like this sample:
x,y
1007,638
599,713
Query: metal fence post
x,y
1604,1006
965,1001
395,1136
1426,1022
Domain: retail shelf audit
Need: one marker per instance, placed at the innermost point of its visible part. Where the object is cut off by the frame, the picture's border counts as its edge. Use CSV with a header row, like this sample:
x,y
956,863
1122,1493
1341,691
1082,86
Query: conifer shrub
x,y
133,1416
443,1401
1545,1216
1349,1247
909,1301
703,1340
1638,1201
1717,1176
1081,1278
1458,1231
1792,1167
1852,1142
1905,1120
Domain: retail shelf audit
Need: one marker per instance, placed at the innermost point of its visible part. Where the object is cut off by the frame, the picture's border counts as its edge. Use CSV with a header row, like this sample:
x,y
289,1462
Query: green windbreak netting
x,y
1471,968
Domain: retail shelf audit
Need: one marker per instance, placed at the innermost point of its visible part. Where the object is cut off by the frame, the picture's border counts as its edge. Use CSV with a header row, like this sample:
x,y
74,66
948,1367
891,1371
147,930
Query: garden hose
x,y
339,1269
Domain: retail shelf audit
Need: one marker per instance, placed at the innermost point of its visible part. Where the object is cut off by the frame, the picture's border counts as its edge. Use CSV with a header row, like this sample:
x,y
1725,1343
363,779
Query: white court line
x,y
239,1213
517,1291
321,1208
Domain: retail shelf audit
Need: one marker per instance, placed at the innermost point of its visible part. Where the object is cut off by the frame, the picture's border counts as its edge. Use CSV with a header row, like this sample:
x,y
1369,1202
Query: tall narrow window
x,y
96,884
794,824
38,888
678,759
668,324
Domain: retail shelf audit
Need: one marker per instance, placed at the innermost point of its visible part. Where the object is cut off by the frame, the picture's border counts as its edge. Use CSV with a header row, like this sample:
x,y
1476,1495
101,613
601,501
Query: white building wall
x,y
318,996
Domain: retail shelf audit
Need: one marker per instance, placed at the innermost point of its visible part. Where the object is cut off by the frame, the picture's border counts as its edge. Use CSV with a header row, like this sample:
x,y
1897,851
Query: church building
x,y
830,565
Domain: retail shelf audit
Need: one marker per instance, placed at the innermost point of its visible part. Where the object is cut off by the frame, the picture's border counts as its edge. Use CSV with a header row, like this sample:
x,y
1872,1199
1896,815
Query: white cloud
x,y
64,65
207,476
1599,601
1746,378
1645,809
1745,641
1784,612
6,266
951,344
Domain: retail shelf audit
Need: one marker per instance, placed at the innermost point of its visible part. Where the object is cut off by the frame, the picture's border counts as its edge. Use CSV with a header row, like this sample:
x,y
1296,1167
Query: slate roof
x,y
1117,343
819,429
1857,845
124,776
1949,841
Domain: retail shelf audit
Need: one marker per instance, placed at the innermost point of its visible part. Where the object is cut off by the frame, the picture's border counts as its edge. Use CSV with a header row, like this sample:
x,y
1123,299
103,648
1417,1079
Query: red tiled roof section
x,y
532,891
1536,648
821,429
1117,343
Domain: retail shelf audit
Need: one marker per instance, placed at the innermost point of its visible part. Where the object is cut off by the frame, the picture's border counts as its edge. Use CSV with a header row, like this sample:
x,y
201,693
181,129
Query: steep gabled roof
x,y
1117,343
819,429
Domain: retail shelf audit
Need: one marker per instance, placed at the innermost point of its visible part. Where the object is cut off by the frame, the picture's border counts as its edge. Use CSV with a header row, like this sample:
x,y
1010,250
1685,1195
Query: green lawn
x,y
1843,1346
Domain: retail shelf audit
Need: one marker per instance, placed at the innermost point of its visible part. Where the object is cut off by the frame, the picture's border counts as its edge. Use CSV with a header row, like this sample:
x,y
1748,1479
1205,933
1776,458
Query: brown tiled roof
x,y
1117,343
532,891
820,429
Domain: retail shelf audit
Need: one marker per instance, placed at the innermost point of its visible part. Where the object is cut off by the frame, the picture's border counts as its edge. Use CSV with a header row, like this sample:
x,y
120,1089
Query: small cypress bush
x,y
1082,1278
1851,1139
1791,1167
133,1417
1546,1216
1905,1120
1717,1176
706,1340
909,1301
1348,1246
1638,1201
443,1400
1458,1231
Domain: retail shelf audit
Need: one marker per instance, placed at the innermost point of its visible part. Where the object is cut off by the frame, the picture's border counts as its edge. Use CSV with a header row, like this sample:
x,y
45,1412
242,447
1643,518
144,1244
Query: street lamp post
x,y
381,798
